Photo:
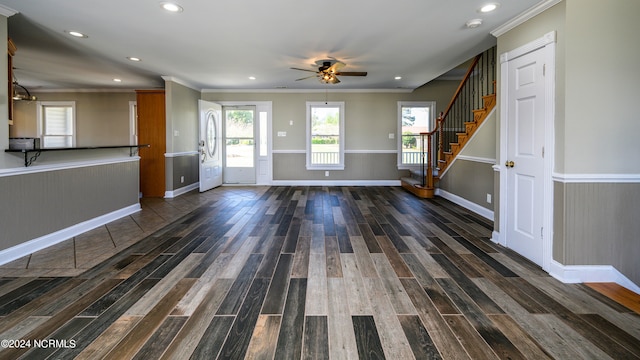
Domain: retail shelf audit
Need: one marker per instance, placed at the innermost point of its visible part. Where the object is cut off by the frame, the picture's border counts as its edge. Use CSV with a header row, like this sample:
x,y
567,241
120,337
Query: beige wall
x,y
102,118
369,119
182,135
182,116
602,87
471,177
596,127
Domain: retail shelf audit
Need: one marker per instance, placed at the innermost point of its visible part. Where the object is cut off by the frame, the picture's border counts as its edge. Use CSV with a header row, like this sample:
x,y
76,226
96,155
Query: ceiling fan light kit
x,y
328,73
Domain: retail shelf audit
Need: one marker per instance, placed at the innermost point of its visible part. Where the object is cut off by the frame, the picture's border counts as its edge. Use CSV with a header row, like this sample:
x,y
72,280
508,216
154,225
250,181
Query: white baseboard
x,y
336,183
590,273
31,246
180,191
484,212
495,237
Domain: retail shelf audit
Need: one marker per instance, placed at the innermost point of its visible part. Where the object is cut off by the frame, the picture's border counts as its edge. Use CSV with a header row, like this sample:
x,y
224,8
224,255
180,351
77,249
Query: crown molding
x,y
321,91
180,81
7,11
524,17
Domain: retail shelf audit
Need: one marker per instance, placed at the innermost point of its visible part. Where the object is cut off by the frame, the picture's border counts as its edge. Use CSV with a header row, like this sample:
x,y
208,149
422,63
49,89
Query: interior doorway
x,y
526,150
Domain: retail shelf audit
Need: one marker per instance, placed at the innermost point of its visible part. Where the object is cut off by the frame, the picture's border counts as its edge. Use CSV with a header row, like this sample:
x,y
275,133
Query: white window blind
x,y
57,124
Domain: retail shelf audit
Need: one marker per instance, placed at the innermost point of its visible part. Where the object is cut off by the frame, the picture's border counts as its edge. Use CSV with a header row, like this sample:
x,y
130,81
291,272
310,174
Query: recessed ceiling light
x,y
133,58
117,80
171,7
398,77
252,77
489,8
76,34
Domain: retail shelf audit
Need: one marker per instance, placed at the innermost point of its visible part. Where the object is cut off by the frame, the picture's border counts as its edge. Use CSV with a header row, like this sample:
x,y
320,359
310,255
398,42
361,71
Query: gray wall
x,y
471,176
40,203
369,119
183,118
596,206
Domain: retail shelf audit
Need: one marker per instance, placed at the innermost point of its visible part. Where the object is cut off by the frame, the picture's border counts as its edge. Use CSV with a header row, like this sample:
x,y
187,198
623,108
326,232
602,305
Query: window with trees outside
x,y
325,135
56,123
414,118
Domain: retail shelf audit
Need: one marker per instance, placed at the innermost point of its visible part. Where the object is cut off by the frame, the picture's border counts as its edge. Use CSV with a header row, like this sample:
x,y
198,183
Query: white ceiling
x,y
220,44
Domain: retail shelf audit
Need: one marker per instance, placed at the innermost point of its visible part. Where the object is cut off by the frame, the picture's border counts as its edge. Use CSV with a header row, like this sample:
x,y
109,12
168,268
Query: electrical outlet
x,y
181,179
326,173
489,198
392,136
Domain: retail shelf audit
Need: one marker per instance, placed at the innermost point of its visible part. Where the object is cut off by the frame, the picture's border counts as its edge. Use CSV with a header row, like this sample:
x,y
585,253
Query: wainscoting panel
x,y
601,226
35,204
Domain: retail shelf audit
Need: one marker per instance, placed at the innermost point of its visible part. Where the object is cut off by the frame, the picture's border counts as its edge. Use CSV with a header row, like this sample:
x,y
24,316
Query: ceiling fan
x,y
328,72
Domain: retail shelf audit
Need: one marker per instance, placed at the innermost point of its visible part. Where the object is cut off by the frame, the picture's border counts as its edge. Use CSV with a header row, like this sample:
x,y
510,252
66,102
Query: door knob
x,y
509,164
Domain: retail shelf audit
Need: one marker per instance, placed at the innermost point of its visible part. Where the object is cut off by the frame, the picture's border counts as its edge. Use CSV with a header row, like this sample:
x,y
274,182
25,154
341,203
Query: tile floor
x,y
74,256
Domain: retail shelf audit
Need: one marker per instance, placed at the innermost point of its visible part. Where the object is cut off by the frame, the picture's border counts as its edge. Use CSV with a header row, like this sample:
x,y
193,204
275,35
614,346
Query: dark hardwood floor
x,y
314,273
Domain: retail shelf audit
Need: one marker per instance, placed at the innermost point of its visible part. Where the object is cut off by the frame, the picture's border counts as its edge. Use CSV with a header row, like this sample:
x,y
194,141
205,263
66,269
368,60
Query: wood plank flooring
x,y
308,273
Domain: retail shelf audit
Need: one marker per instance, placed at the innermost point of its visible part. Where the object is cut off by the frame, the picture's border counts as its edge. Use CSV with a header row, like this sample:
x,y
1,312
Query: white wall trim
x,y
31,246
65,166
546,39
179,81
336,183
306,91
289,151
180,191
572,274
371,151
179,154
469,142
596,178
477,159
524,17
496,238
354,151
7,11
471,206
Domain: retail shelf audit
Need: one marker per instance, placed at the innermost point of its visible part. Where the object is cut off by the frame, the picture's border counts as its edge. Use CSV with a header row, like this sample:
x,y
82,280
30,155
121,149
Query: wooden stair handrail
x,y
462,83
439,127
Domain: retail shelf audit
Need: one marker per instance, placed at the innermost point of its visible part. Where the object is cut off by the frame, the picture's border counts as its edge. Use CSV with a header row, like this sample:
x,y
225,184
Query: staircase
x,y
469,107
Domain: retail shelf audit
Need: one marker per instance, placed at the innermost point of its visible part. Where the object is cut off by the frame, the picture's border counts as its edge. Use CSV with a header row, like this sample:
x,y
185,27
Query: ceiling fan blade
x,y
352,73
336,67
303,69
307,77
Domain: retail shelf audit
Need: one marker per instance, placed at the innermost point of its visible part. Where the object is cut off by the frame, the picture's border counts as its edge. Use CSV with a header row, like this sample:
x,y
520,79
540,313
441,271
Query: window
x,y
413,119
56,123
325,135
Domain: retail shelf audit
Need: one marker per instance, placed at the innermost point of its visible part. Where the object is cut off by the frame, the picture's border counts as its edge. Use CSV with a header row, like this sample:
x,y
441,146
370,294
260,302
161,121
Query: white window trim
x,y
311,104
432,121
39,114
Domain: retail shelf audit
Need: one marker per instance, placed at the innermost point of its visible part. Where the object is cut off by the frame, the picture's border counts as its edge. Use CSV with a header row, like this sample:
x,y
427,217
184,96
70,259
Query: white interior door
x,y
525,155
239,144
209,145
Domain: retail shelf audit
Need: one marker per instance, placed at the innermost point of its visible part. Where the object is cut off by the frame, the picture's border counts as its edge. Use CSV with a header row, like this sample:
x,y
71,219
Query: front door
x,y
525,155
209,145
240,145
